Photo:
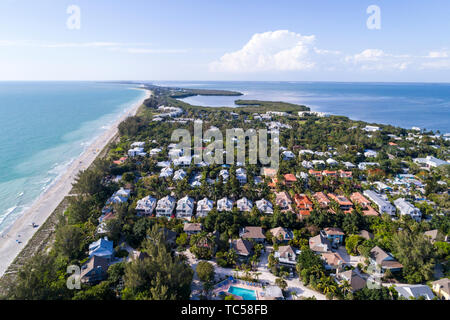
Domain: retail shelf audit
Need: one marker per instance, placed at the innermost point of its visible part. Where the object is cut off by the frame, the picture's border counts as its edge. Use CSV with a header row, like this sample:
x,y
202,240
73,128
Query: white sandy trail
x,y
43,207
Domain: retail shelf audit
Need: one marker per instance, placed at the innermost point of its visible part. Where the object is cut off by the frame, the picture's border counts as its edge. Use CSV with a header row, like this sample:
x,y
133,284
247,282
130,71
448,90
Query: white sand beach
x,y
22,229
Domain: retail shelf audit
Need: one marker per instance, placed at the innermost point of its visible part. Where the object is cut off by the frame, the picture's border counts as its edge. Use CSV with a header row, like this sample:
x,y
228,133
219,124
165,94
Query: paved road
x,y
293,284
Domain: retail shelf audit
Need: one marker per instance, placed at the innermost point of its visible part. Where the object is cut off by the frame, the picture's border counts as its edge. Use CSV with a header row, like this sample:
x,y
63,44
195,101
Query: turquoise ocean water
x,y
46,125
424,105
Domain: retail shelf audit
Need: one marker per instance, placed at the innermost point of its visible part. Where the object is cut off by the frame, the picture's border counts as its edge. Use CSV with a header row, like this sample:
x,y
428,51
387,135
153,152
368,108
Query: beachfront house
x,y
165,206
244,205
224,204
94,270
145,206
102,248
204,206
185,207
264,206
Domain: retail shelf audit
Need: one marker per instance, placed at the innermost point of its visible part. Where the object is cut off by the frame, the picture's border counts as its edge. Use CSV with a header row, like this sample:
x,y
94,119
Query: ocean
x,y
45,126
407,105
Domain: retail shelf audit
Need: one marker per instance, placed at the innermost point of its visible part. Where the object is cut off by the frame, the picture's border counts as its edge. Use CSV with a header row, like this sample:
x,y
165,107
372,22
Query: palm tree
x,y
345,287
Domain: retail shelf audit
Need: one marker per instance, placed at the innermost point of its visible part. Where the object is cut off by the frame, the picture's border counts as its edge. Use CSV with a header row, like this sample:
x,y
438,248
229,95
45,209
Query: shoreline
x,y
46,203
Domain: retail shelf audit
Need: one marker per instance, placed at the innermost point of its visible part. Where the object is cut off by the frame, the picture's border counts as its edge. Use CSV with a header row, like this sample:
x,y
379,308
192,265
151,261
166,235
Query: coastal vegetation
x,y
163,272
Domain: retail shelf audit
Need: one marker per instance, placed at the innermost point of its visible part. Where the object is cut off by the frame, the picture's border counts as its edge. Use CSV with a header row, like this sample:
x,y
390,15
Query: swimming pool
x,y
246,294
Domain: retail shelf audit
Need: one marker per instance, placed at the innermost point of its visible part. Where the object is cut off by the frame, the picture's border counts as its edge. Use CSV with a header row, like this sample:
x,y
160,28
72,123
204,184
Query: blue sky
x,y
225,40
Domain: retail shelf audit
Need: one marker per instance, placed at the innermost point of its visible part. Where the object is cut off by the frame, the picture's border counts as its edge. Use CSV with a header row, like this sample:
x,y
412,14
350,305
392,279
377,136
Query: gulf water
x,y
44,126
407,105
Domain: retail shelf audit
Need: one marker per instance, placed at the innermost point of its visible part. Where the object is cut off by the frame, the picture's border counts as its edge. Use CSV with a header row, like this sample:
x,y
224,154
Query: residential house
x,y
185,208
435,235
224,174
94,270
370,153
254,233
344,204
288,155
319,244
166,172
269,172
304,205
145,206
283,201
384,206
414,291
136,152
358,198
204,206
378,257
224,204
286,255
431,162
282,234
264,206
354,279
179,175
244,205
322,199
289,180
243,248
241,175
165,206
102,248
334,235
442,288
333,260
406,208
192,228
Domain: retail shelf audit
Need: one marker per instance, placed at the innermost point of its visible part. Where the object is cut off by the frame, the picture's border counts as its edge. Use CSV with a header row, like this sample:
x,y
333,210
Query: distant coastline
x,y
22,230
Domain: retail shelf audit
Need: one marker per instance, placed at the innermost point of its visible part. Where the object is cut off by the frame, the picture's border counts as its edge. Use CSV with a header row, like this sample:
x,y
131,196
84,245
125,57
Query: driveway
x,y
265,275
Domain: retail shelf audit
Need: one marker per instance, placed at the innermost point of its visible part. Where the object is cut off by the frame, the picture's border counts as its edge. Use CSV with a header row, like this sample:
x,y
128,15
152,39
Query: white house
x,y
414,291
138,144
371,128
368,153
288,155
184,161
165,207
383,205
185,208
264,206
224,174
430,161
224,204
349,165
204,206
145,206
179,175
241,175
155,151
364,165
138,151
166,172
406,208
332,162
244,204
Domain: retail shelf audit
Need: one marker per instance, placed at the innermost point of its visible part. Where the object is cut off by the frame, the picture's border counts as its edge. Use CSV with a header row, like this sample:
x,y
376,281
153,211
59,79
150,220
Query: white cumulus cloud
x,y
280,50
